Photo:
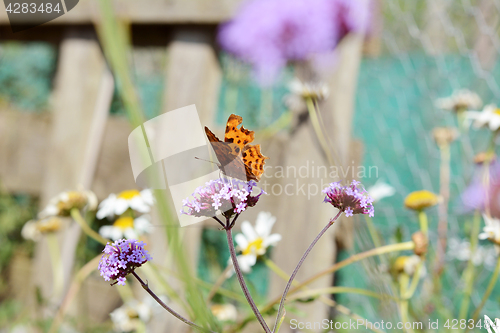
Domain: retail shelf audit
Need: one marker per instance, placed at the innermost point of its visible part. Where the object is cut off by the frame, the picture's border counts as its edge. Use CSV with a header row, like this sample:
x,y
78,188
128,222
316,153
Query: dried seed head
x,y
421,243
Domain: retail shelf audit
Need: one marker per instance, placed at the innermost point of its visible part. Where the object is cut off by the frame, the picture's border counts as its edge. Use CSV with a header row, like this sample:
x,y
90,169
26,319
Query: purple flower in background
x,y
268,33
475,196
351,199
227,196
121,258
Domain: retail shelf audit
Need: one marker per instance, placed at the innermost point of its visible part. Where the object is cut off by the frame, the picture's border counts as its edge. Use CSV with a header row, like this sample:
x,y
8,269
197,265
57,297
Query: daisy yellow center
x,y
127,195
497,112
124,223
257,245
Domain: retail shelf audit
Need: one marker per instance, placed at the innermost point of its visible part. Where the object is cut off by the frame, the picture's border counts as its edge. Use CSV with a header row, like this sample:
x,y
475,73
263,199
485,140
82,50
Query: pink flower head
x,y
478,194
227,196
121,258
351,199
268,33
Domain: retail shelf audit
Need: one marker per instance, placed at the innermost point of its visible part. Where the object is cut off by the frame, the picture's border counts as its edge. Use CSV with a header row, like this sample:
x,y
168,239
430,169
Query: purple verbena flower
x,y
351,199
122,258
227,196
268,33
478,195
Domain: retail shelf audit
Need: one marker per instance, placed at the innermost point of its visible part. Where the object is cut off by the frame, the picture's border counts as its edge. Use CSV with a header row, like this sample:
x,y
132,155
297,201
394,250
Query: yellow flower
x,y
419,200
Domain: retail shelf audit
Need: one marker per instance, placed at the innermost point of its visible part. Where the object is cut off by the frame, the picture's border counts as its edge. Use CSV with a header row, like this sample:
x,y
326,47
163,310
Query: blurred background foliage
x,y
394,117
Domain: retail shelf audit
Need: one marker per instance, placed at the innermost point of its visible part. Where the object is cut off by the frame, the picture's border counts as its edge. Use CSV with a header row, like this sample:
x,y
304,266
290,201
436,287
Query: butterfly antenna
x,y
202,159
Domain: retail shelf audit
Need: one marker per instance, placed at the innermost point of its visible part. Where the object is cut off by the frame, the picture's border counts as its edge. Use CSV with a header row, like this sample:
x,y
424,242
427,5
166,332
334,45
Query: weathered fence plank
x,y
82,95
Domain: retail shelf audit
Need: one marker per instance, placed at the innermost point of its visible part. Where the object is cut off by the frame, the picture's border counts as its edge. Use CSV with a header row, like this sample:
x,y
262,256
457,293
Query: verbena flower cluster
x,y
228,196
268,33
351,199
122,258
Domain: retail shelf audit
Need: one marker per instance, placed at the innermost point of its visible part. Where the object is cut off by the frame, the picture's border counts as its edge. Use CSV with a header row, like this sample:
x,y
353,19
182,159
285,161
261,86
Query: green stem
x,y
489,289
444,184
373,231
341,264
241,280
57,267
469,271
415,280
338,290
75,214
296,270
403,284
222,278
424,223
325,300
317,128
80,276
166,307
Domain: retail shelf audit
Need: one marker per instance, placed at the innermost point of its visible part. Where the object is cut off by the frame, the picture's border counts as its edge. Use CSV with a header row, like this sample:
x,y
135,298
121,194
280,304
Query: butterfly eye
x,y
237,150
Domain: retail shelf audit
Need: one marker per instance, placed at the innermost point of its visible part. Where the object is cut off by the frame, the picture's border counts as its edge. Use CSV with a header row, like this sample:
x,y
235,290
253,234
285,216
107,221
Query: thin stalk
x,y
241,280
166,307
444,183
354,258
152,273
80,276
403,304
469,271
338,290
222,278
57,267
414,282
317,128
489,289
75,214
373,232
296,270
323,299
424,223
205,285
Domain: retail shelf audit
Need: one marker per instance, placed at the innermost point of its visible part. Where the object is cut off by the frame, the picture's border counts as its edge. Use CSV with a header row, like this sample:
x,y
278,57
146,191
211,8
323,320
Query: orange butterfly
x,y
237,157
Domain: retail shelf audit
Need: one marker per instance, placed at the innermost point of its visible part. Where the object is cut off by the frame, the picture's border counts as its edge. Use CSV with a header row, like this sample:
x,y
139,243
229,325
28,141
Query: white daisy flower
x,y
308,89
300,91
62,204
489,117
463,99
491,230
34,229
224,312
253,242
381,190
127,227
118,204
132,315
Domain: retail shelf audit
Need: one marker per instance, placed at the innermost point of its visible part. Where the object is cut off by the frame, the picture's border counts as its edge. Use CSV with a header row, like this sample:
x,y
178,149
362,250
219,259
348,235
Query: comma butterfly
x,y
237,157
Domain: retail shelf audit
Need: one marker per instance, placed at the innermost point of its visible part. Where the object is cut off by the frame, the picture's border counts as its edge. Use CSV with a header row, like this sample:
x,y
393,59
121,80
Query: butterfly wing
x,y
254,162
240,136
229,156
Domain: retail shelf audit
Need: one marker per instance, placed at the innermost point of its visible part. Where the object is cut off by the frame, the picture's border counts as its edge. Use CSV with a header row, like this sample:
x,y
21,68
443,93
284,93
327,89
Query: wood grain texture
x,y
151,11
82,95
